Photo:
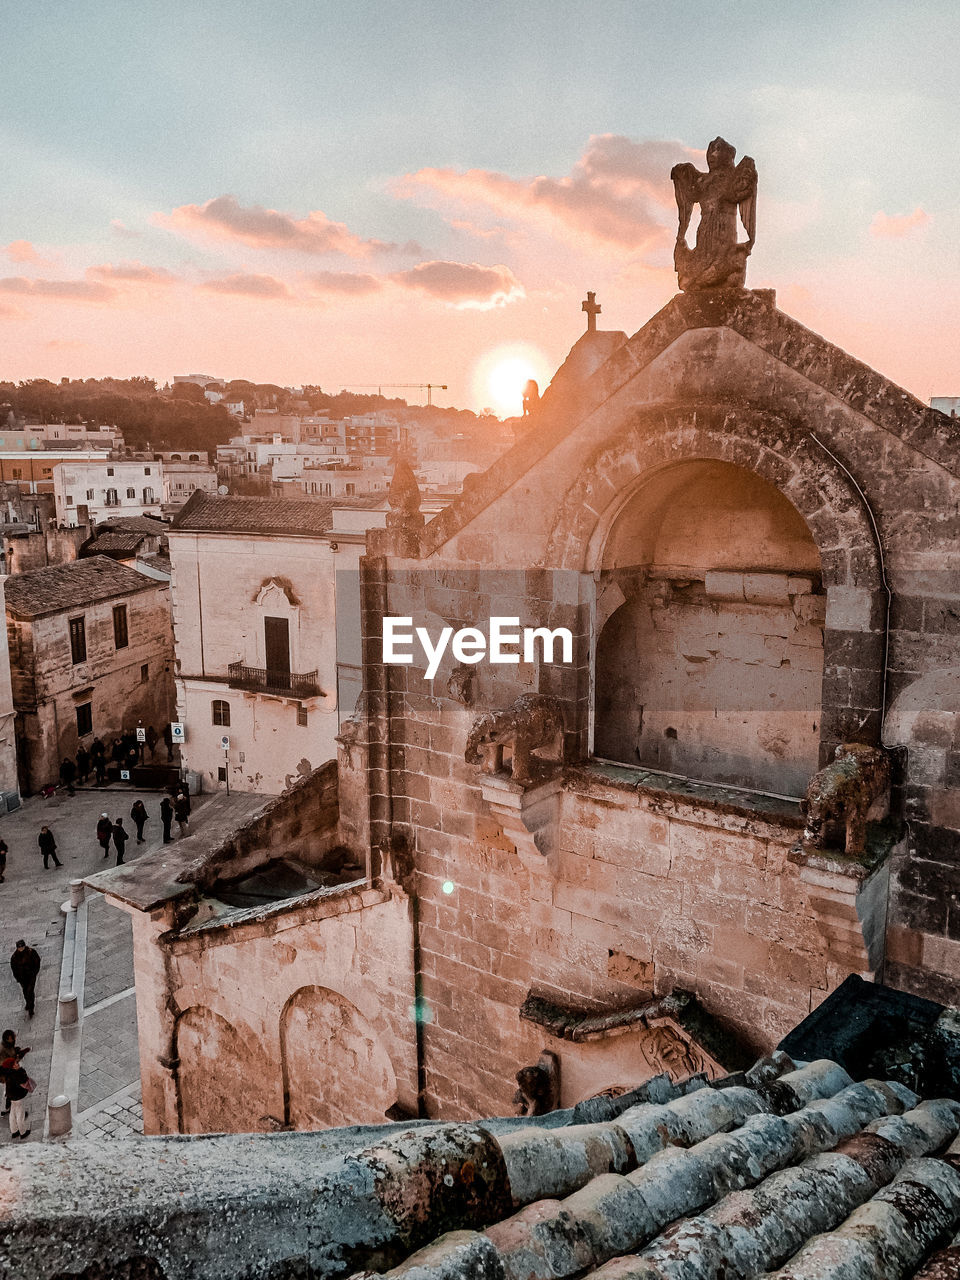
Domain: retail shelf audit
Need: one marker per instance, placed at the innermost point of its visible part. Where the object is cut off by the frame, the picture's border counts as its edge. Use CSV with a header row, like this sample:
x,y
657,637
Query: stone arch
x,y
217,1075
336,1071
785,455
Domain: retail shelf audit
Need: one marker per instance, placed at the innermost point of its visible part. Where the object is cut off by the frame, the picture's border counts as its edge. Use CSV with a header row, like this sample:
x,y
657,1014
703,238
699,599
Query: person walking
x,y
83,764
18,1086
166,817
68,771
181,811
152,740
48,847
139,815
3,860
120,838
184,791
104,832
25,965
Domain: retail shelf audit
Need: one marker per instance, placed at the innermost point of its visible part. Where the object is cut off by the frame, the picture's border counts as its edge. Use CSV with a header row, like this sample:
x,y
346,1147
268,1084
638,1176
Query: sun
x,y
502,374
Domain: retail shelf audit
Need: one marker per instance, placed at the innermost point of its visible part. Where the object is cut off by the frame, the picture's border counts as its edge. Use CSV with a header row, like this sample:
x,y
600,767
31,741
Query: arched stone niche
x,y
219,1074
335,1069
737,523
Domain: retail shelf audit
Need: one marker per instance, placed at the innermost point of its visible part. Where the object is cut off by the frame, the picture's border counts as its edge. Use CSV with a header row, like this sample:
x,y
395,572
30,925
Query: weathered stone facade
x,y
752,539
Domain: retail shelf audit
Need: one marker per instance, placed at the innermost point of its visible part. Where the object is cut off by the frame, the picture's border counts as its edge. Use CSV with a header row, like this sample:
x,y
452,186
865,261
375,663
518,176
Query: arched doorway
x,y
217,1076
710,613
335,1069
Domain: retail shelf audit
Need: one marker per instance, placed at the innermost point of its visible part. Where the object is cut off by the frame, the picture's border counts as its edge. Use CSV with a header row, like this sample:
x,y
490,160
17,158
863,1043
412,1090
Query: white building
x,y
182,479
260,589
107,487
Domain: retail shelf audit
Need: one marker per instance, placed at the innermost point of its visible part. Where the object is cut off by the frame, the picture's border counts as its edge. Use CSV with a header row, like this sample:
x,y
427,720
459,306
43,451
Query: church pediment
x,y
730,348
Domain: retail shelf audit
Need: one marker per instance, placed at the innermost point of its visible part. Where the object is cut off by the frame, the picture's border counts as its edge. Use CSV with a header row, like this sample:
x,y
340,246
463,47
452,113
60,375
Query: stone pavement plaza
x,y
102,1059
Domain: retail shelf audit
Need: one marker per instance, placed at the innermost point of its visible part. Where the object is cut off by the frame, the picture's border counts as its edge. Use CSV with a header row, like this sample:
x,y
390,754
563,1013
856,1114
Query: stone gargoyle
x,y
538,1087
533,723
843,793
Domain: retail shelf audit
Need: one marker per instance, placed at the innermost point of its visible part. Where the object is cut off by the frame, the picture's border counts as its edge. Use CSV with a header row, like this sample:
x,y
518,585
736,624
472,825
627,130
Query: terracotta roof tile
x,y
71,586
210,513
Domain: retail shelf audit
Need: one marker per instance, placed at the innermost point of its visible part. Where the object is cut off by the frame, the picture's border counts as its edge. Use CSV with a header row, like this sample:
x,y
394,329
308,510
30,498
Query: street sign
x,y
177,732
141,735
225,743
124,775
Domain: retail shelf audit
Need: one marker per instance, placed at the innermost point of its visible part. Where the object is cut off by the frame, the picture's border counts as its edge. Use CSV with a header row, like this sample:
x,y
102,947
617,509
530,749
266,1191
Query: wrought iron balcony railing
x,y
262,680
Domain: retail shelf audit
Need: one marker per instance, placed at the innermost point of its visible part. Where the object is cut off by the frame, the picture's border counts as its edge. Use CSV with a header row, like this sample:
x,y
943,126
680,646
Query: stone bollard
x,y
59,1116
69,1009
76,893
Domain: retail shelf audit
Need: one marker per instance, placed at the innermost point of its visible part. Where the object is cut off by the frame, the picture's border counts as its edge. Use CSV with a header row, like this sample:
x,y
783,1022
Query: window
x,y
146,471
301,713
78,640
120,636
221,774
350,490
109,471
145,673
220,712
18,473
111,499
90,495
69,499
131,493
148,495
85,718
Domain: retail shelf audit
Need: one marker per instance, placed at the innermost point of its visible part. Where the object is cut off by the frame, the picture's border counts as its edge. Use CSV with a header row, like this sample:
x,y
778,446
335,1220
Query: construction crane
x,y
429,387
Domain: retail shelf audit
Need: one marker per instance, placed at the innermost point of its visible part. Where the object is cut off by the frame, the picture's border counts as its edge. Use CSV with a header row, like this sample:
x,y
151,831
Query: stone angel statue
x,y
718,260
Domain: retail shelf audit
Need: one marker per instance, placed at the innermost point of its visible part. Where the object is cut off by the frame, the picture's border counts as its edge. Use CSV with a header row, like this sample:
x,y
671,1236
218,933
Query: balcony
x,y
282,684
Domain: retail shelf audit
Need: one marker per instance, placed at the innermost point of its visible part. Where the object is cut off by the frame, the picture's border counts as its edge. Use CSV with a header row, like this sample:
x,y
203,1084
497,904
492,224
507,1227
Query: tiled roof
x,y
111,543
210,513
131,524
802,1176
71,586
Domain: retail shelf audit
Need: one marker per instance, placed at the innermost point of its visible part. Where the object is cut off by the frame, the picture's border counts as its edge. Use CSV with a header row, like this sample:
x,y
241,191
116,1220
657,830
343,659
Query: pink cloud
x,y
131,273
885,227
617,193
462,284
63,290
224,218
250,286
22,251
121,229
345,282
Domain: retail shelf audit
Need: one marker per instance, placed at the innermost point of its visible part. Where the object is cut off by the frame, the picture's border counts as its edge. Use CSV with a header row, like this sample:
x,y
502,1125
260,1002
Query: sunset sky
x,y
378,193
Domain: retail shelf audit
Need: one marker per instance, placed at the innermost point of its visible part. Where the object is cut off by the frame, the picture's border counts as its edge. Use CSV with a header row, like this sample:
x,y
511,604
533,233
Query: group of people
x,y
17,1085
172,809
125,752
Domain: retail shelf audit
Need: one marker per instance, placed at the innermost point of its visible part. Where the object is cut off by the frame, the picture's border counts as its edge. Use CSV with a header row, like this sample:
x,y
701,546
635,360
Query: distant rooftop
x,y
210,513
71,586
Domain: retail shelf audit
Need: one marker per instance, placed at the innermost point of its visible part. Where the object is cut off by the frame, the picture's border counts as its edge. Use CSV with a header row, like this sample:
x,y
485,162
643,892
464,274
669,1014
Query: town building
x,y
34,470
182,478
91,655
258,596
9,780
104,487
127,538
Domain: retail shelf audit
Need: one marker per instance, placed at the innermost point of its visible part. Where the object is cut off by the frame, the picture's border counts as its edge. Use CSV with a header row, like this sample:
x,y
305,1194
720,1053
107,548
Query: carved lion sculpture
x,y
533,722
539,1086
843,793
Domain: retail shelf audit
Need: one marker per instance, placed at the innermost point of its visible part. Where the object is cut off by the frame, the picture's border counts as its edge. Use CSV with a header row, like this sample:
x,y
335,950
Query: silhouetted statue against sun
x,y
718,260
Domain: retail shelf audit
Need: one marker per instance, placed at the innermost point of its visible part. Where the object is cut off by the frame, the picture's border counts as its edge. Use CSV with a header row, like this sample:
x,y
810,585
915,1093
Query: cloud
x,y
22,251
121,229
885,227
462,284
345,282
250,286
131,273
617,193
63,290
224,218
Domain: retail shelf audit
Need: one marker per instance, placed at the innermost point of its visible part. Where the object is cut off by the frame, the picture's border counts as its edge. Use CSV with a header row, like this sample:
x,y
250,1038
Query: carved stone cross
x,y
592,307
